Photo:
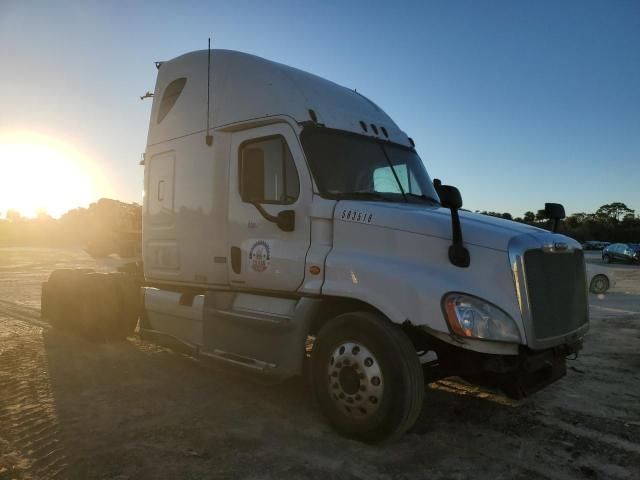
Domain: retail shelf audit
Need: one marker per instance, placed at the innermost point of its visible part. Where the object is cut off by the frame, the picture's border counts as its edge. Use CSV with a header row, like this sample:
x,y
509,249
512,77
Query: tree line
x,y
103,222
612,222
111,220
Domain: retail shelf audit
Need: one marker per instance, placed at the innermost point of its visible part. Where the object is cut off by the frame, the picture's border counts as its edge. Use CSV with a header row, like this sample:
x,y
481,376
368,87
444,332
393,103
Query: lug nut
x,y
368,361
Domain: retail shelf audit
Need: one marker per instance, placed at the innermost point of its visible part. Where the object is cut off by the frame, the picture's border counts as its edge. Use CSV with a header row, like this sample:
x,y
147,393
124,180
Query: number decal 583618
x,y
357,216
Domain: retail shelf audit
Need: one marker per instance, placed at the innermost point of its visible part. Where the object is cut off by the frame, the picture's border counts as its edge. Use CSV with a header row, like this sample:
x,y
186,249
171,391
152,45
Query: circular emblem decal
x,y
260,256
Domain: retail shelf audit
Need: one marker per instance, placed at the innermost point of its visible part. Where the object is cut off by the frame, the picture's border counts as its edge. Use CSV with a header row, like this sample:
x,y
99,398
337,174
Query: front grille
x,y
556,286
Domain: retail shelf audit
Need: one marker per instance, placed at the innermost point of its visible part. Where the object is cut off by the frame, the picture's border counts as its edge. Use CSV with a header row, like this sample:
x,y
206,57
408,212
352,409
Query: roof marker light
x,y
374,128
363,125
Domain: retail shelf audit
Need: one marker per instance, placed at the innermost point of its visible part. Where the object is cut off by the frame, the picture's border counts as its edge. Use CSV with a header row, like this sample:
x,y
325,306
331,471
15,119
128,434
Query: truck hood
x,y
477,229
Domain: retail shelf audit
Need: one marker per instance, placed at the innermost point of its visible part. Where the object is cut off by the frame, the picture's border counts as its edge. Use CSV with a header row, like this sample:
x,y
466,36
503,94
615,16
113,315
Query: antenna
x,y
209,137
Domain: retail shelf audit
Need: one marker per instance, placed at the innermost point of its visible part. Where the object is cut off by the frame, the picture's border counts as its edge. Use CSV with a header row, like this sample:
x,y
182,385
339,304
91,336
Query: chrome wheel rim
x,y
355,380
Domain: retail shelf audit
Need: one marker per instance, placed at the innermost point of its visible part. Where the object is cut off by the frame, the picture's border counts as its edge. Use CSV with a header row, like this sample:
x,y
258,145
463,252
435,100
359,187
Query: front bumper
x,y
536,370
517,375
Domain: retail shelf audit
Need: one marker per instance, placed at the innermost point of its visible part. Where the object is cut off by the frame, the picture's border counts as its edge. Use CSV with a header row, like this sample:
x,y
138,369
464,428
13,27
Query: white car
x,y
600,279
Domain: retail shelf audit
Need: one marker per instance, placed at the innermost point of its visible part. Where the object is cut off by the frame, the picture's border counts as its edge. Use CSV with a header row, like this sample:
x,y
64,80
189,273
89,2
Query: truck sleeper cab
x,y
296,222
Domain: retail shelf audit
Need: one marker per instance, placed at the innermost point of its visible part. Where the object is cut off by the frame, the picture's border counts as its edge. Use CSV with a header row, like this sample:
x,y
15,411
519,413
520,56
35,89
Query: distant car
x,y
600,279
594,245
621,252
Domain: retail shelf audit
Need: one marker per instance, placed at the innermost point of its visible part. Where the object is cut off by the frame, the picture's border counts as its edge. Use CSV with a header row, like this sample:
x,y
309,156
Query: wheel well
x,y
331,307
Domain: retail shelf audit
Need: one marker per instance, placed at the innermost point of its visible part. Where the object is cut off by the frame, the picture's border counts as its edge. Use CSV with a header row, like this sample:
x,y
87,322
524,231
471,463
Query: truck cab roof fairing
x,y
246,87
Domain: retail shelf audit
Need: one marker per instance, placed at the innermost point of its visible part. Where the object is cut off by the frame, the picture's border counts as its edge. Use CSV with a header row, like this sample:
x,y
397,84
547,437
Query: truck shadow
x,y
119,406
137,410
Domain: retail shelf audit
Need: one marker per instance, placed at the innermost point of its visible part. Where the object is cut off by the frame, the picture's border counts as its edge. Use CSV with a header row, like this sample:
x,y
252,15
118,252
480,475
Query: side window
x,y
267,172
384,180
170,97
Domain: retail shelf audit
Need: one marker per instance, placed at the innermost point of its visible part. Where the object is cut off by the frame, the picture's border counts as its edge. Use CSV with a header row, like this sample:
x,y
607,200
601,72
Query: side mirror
x,y
449,196
554,211
286,220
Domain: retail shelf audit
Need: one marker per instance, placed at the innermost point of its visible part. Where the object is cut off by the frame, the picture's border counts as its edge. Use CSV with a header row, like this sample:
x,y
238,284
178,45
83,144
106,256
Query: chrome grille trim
x,y
548,242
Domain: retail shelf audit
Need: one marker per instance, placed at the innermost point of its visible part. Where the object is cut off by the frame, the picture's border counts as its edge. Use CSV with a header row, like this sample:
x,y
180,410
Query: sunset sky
x,y
516,103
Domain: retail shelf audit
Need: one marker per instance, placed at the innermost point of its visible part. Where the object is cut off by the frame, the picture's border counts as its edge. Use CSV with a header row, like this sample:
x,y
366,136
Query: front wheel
x,y
606,258
367,377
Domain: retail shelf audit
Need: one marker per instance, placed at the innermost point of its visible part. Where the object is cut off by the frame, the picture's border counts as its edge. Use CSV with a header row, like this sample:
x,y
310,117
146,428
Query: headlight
x,y
474,318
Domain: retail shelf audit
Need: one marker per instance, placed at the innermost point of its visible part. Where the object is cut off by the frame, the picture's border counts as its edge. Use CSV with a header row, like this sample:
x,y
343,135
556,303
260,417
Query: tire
x,y
599,284
59,296
96,306
606,258
130,307
367,377
109,308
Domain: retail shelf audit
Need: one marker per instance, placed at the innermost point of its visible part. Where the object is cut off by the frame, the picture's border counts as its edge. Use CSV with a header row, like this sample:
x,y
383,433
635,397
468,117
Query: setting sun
x,y
43,174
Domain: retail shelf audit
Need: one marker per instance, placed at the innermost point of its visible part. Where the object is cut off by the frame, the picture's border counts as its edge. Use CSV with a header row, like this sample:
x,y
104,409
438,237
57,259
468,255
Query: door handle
x,y
236,260
161,190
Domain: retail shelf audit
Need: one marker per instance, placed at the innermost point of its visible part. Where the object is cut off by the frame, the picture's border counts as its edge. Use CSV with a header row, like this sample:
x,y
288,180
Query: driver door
x,y
269,198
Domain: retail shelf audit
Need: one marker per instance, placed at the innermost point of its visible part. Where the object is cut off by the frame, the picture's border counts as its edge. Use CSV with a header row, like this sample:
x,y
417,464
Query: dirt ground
x,y
72,409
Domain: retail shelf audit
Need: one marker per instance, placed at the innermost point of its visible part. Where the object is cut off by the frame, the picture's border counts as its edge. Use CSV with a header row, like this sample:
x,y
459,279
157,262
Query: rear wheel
x,y
59,295
367,377
99,307
599,284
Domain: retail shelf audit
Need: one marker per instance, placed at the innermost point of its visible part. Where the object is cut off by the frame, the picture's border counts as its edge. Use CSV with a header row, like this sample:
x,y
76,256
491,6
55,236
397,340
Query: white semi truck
x,y
290,227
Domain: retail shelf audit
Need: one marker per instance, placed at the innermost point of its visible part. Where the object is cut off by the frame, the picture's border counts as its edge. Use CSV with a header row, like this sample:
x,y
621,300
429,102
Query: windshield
x,y
346,165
